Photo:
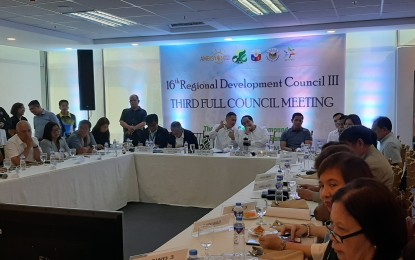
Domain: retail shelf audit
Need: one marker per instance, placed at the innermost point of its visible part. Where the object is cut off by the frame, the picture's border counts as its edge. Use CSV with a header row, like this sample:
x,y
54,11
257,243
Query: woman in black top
x,y
17,111
101,132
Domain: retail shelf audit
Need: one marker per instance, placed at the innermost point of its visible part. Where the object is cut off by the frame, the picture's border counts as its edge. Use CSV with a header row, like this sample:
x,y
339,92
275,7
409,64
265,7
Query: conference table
x,y
111,182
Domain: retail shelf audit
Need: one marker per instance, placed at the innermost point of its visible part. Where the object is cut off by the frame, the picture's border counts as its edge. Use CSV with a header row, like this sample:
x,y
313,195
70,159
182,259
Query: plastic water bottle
x,y
193,255
147,143
319,147
186,147
22,162
106,148
238,211
239,238
279,186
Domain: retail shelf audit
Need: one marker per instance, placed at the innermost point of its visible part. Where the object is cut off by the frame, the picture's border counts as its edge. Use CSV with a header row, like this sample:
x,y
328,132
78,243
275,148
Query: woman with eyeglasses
x,y
52,141
334,172
367,222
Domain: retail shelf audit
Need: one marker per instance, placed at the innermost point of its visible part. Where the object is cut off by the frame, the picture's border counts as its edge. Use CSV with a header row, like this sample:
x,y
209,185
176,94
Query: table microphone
x,y
3,176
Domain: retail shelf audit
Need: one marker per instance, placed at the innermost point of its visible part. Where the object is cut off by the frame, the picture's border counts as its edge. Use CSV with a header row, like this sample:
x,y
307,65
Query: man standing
x,y
338,123
223,133
359,138
133,120
155,133
42,117
22,143
390,146
292,138
66,119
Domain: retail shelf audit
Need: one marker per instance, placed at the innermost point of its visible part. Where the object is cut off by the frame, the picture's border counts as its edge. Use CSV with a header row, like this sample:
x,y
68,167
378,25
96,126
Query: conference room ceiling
x,y
43,24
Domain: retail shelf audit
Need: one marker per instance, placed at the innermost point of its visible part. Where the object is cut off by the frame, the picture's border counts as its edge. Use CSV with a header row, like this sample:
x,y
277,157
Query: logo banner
x,y
267,79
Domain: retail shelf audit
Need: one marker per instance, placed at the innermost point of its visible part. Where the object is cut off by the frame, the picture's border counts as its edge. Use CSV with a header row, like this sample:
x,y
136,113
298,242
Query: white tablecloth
x,y
190,180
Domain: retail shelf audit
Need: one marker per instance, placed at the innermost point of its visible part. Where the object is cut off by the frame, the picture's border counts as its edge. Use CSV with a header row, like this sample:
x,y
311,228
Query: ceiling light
x,y
331,31
135,44
11,39
228,39
68,49
102,18
259,7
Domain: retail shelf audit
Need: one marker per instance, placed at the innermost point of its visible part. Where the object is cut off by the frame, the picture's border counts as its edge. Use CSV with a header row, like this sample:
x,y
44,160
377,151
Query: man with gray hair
x,y
23,144
179,136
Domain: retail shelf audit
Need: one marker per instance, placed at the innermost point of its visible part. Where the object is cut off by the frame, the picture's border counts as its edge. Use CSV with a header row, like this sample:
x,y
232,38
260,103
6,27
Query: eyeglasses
x,y
337,237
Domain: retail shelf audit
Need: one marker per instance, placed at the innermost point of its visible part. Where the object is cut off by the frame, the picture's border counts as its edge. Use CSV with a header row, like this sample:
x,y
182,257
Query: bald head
x,y
134,100
22,124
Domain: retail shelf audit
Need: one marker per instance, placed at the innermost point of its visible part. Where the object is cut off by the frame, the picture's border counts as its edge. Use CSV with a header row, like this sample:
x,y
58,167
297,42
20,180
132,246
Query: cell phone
x,y
287,237
252,242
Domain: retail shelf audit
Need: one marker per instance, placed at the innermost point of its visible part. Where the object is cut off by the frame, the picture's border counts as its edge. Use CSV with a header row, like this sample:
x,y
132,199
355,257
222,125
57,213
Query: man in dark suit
x,y
154,132
179,136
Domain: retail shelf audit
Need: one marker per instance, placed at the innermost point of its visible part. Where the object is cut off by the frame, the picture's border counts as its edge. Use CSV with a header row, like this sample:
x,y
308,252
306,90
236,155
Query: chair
x,y
199,137
272,137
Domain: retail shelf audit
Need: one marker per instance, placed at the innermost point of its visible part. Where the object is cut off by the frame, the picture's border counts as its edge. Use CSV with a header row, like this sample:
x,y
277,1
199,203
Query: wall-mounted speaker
x,y
86,80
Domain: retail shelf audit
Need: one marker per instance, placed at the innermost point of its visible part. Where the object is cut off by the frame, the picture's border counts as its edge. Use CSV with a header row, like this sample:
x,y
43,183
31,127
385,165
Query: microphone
x,y
3,176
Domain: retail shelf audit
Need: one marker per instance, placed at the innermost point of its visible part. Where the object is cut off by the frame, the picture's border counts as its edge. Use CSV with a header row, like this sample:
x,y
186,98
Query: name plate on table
x,y
166,255
219,224
289,156
172,150
145,149
204,152
264,185
272,153
265,176
246,207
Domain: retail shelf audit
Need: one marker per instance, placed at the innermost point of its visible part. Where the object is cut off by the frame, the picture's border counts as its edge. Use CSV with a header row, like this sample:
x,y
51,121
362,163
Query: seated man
x,y
359,138
390,146
22,143
179,136
82,139
223,133
338,119
154,132
292,138
258,136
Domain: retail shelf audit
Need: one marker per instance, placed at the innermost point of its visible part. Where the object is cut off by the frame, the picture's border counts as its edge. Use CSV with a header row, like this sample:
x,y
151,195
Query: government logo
x,y
273,54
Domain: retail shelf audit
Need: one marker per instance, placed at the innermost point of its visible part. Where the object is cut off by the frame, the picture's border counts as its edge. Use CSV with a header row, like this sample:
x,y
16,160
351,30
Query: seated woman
x,y
367,222
258,136
333,173
82,139
101,132
52,141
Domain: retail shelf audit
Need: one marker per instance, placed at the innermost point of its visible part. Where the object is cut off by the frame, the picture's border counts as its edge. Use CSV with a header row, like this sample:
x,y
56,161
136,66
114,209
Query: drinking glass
x,y
192,148
287,169
7,163
301,161
53,160
292,190
205,237
261,208
94,149
43,157
73,152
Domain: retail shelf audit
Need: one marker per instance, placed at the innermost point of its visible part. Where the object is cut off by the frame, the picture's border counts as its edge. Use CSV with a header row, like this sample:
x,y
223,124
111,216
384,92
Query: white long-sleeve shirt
x,y
259,137
221,137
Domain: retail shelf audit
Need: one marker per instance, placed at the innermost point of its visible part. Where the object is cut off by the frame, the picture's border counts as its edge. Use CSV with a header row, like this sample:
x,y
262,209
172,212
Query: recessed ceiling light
x,y
68,49
135,44
228,39
11,39
331,31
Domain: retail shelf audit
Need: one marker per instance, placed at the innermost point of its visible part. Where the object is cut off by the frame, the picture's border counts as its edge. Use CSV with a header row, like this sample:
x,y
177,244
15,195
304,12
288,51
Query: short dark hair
x,y
297,114
329,149
354,118
379,214
353,134
63,101
15,108
152,118
350,166
383,122
84,122
230,114
176,124
47,132
248,116
341,114
34,103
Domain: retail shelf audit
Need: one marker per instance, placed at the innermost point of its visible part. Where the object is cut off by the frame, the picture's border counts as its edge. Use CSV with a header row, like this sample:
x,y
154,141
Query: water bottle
x,y
302,147
147,143
193,255
239,238
238,211
106,148
186,147
319,147
306,157
22,162
279,186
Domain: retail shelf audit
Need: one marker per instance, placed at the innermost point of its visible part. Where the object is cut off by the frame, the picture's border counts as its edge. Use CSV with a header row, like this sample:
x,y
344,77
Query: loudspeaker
x,y
86,80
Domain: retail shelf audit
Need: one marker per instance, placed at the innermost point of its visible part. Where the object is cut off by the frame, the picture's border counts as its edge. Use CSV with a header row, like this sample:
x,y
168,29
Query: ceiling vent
x,y
189,27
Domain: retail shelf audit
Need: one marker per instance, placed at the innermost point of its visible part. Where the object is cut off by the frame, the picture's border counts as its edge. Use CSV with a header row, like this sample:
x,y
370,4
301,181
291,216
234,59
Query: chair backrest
x,y
199,137
272,137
